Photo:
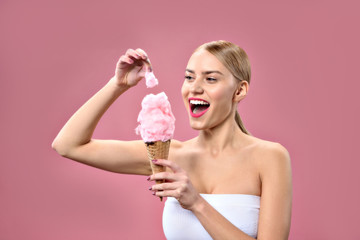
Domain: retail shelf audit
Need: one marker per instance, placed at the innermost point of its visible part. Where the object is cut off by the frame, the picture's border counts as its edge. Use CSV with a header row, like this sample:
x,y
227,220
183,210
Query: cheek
x,y
222,95
184,92
185,89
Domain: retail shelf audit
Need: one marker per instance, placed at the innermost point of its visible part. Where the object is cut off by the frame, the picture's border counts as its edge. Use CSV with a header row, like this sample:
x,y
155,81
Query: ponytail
x,y
240,123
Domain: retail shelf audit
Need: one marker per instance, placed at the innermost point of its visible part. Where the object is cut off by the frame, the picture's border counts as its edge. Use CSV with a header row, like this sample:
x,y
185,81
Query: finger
x,y
142,53
145,58
133,54
168,193
126,59
164,186
139,58
167,163
170,177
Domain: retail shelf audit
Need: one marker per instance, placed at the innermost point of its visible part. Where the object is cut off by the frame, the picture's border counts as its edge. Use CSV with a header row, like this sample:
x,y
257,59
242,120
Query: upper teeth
x,y
198,102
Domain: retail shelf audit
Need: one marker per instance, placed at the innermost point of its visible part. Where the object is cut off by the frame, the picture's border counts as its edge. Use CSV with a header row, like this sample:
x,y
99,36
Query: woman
x,y
215,182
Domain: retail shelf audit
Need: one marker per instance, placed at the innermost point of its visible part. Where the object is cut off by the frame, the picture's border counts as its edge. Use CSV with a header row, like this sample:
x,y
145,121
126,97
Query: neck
x,y
217,139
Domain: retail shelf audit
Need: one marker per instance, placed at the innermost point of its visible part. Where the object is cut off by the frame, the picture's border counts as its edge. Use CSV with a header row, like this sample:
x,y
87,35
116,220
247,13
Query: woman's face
x,y
208,91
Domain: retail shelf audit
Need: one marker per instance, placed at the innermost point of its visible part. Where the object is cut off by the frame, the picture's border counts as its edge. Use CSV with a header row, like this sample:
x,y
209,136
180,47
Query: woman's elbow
x,y
60,147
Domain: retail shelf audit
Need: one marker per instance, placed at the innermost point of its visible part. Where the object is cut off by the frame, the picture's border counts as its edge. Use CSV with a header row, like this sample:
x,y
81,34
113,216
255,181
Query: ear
x,y
241,91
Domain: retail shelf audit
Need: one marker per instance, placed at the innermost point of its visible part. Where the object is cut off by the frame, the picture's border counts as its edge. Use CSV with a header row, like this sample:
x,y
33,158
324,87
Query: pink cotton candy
x,y
157,122
151,80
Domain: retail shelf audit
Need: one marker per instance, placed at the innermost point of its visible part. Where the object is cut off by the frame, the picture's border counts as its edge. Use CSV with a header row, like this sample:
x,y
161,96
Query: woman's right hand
x,y
75,140
131,67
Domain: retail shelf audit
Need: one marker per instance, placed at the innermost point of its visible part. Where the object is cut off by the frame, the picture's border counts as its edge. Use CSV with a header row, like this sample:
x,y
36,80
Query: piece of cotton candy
x,y
151,80
157,122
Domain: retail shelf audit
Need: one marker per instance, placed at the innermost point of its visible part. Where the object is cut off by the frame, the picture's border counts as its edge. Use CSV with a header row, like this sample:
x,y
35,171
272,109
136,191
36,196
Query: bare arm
x,y
276,195
75,141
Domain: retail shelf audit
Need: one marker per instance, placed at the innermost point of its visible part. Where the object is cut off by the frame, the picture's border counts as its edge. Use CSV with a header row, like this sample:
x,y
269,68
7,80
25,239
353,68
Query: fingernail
x,y
148,179
150,188
154,160
153,193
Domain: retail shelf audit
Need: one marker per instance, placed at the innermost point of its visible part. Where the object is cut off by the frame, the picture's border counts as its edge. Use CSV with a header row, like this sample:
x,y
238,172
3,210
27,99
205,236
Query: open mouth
x,y
198,107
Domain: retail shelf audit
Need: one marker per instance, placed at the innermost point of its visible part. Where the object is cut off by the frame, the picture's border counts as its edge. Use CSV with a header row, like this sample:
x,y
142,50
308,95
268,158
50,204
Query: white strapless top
x,y
240,209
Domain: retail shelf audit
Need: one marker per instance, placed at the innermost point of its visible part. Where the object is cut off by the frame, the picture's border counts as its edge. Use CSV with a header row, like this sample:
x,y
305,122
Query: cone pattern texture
x,y
157,150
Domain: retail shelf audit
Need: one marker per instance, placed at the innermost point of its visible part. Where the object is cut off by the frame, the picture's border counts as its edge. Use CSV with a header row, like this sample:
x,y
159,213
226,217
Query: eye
x,y
188,77
211,79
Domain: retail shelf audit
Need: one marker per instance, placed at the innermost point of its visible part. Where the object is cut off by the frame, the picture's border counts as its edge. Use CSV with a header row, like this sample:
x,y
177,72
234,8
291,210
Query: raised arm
x,y
75,141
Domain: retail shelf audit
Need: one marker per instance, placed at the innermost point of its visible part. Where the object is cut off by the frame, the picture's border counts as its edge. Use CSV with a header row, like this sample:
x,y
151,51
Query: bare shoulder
x,y
176,144
269,155
274,150
175,147
180,145
180,149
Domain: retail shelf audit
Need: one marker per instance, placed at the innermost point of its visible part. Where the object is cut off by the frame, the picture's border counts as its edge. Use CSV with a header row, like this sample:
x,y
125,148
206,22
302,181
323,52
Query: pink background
x,y
56,55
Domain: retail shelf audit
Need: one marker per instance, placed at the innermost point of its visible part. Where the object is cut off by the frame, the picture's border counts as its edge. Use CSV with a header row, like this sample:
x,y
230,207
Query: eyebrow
x,y
206,72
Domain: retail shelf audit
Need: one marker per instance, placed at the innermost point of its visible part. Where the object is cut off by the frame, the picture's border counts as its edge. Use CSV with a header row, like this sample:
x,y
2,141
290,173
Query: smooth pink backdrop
x,y
54,55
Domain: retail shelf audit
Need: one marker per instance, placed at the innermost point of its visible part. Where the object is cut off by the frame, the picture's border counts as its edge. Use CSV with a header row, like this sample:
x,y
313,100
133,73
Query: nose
x,y
196,87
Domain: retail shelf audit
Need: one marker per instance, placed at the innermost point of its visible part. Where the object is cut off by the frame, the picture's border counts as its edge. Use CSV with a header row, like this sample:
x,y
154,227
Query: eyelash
x,y
209,78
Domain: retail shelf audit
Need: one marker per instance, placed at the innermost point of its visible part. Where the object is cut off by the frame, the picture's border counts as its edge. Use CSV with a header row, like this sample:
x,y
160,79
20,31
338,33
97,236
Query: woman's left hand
x,y
177,184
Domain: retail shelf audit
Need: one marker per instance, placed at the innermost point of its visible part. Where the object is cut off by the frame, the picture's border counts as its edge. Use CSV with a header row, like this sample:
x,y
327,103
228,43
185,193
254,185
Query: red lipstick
x,y
198,107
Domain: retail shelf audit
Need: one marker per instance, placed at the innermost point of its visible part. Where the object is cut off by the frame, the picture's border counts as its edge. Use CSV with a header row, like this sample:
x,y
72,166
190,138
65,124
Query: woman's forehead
x,y
203,61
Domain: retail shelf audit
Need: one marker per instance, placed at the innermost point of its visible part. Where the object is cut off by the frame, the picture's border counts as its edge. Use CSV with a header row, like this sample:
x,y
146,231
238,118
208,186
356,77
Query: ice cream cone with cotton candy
x,y
157,125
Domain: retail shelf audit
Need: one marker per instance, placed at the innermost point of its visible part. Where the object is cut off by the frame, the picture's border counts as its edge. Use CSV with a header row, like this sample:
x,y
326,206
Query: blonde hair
x,y
235,60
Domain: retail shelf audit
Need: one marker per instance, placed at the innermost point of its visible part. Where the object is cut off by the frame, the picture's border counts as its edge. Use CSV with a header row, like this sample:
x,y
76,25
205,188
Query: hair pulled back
x,y
235,60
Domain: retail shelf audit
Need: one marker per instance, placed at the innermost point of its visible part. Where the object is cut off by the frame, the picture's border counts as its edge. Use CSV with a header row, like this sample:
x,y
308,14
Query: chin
x,y
197,128
197,125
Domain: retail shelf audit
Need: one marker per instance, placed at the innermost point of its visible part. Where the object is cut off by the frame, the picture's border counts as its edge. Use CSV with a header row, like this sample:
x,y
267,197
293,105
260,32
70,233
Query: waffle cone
x,y
157,150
